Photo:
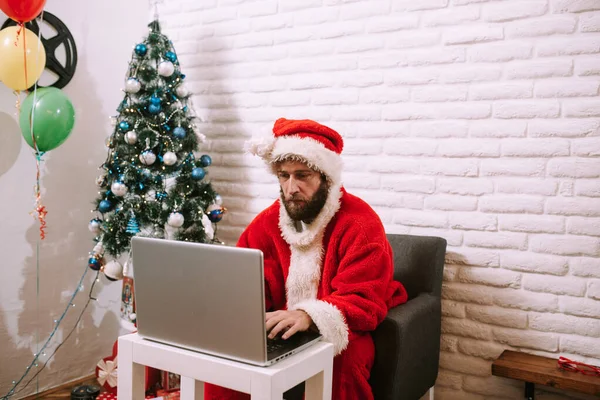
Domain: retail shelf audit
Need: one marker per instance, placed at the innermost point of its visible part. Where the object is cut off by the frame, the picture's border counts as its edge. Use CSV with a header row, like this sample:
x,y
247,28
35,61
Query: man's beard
x,y
306,210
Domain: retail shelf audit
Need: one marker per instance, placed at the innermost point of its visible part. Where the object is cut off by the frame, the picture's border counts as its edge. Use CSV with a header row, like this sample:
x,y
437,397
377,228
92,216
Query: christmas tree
x,y
153,182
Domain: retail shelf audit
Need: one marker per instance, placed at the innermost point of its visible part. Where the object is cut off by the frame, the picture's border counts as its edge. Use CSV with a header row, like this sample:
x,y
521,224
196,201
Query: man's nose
x,y
290,188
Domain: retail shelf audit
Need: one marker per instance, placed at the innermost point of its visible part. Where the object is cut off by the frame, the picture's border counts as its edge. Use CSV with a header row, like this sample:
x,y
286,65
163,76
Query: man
x,y
328,264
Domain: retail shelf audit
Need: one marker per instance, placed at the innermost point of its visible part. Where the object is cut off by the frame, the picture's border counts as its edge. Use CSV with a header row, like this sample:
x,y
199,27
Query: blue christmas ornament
x,y
198,174
124,126
182,76
169,55
166,127
155,100
133,226
161,195
94,263
104,206
216,215
205,160
179,132
141,49
154,109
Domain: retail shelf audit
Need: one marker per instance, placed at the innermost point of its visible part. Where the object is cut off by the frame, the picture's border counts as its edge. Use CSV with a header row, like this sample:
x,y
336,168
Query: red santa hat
x,y
317,145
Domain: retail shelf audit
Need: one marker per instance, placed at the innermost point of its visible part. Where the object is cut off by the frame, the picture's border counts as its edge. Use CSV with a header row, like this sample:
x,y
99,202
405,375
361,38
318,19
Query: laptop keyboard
x,y
275,344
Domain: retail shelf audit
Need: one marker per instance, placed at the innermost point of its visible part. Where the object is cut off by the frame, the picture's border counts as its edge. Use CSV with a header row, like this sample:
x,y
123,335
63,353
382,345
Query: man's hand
x,y
289,322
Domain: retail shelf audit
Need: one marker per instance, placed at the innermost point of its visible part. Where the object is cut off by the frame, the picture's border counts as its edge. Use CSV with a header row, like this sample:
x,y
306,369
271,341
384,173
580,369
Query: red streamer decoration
x,y
575,366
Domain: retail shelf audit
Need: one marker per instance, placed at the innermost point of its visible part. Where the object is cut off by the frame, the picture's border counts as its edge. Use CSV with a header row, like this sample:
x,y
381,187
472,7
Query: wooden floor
x,y
63,391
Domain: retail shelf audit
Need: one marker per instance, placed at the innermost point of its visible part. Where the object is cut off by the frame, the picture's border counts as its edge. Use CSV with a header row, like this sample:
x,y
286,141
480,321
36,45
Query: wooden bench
x,y
535,369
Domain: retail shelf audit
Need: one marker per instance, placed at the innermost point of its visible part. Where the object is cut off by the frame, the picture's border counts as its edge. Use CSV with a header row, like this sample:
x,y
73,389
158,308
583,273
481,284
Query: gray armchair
x,y
407,342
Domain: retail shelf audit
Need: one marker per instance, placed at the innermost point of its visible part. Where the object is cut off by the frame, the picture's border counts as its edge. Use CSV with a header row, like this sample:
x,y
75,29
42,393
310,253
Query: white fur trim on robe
x,y
330,321
306,267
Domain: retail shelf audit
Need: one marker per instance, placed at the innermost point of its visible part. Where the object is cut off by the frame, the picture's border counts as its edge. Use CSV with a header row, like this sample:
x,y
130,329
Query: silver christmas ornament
x,y
94,226
169,158
181,90
175,220
166,68
113,270
119,189
98,248
132,85
131,137
101,180
147,157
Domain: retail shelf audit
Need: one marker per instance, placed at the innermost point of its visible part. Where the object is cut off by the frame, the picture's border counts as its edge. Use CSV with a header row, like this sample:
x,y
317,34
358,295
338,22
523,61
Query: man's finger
x,y
272,314
280,327
274,320
293,329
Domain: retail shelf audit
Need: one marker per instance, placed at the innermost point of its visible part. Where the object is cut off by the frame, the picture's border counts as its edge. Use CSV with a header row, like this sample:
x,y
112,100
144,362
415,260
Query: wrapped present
x,y
170,381
107,373
164,395
128,300
112,396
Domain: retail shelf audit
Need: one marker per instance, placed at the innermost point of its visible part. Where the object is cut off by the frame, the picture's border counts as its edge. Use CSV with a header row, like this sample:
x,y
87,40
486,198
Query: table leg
x,y
318,387
262,388
191,389
131,376
529,391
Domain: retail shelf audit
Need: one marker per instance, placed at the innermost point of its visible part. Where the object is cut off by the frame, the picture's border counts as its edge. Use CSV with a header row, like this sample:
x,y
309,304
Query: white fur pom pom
x,y
261,146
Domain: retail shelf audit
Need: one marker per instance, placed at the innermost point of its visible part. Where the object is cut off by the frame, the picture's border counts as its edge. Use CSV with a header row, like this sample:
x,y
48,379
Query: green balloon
x,y
53,118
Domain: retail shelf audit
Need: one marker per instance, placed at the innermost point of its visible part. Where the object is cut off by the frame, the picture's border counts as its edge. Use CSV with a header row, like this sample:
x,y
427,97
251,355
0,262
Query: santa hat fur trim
x,y
307,141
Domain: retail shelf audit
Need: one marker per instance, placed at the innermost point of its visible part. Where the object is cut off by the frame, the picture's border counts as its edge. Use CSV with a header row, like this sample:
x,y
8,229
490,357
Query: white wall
x,y
105,33
474,120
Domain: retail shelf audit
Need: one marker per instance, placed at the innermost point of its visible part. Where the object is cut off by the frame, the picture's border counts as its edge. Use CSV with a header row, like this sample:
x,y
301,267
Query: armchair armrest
x,y
407,349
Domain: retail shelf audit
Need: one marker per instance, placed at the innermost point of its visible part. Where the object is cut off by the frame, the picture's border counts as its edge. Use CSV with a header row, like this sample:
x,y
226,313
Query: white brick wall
x,y
474,120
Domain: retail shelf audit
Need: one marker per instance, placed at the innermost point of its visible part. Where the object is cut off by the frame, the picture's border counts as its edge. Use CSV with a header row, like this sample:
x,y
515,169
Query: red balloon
x,y
22,10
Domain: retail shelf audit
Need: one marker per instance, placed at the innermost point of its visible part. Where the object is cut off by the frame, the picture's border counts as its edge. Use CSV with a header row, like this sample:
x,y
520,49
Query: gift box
x,y
160,395
170,381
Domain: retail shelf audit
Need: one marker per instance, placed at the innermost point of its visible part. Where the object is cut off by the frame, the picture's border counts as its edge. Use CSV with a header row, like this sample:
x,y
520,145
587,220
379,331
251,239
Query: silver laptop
x,y
207,298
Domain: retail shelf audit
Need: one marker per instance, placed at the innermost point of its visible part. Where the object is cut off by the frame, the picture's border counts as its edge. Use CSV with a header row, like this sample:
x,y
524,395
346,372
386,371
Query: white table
x,y
313,365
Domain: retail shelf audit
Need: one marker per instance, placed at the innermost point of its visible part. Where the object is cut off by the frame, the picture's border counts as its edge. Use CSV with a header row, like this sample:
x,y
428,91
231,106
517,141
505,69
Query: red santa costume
x,y
338,269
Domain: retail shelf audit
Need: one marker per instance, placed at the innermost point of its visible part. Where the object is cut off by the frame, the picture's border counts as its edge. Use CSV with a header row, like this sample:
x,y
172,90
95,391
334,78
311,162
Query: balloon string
x,y
24,52
20,27
39,207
